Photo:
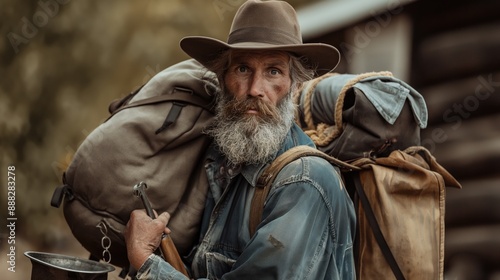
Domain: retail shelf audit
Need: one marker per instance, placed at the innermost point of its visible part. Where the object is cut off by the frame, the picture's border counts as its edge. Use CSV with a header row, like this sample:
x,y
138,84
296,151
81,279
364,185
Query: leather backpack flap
x,y
408,198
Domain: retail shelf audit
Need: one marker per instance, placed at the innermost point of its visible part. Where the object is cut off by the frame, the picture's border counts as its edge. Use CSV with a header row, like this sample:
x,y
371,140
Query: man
x,y
308,221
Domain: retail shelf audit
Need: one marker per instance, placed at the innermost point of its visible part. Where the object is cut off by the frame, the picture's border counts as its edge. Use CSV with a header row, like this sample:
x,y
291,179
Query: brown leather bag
x,y
406,191
400,214
153,135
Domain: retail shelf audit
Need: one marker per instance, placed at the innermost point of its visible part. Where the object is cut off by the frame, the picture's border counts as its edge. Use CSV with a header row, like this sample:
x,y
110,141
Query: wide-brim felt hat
x,y
263,25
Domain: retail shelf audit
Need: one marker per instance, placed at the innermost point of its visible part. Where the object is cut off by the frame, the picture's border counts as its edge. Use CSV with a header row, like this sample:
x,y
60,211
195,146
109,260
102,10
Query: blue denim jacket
x,y
307,229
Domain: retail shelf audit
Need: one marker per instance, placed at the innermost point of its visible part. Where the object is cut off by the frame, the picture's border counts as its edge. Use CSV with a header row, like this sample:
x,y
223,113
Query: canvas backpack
x,y
154,135
398,188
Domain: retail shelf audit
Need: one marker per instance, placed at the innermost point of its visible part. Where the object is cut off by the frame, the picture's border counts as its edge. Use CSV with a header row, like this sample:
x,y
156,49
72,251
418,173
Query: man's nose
x,y
256,86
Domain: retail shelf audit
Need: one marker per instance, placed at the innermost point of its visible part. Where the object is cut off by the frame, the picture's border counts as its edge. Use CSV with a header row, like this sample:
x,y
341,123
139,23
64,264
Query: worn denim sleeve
x,y
306,232
155,268
307,229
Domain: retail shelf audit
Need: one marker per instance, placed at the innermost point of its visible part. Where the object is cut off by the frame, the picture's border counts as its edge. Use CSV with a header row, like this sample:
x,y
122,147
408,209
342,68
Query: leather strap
x,y
117,104
172,116
267,177
59,193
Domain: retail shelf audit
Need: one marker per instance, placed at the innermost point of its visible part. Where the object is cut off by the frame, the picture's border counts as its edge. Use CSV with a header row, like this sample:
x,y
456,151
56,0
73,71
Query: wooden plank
x,y
477,203
469,160
456,54
482,242
474,96
433,17
467,149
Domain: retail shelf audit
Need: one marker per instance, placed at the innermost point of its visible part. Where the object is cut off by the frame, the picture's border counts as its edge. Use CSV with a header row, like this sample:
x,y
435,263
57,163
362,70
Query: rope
x,y
322,134
308,118
296,100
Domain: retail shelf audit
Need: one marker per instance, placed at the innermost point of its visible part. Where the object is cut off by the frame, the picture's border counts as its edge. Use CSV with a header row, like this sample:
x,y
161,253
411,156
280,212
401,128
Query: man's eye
x,y
242,69
274,71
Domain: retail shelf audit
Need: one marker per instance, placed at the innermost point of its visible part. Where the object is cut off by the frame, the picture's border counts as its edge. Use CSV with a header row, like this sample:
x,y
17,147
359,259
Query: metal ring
x,y
104,254
103,228
105,240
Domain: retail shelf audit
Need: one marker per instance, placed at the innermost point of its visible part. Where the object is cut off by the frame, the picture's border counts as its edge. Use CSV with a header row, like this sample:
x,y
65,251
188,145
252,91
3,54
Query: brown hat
x,y
263,25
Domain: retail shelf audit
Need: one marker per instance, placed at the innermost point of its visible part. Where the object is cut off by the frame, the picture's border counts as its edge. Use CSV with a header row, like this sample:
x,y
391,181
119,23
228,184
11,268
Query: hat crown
x,y
263,26
272,22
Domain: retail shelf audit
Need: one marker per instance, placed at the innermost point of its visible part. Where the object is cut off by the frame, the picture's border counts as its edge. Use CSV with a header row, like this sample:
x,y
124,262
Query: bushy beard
x,y
251,138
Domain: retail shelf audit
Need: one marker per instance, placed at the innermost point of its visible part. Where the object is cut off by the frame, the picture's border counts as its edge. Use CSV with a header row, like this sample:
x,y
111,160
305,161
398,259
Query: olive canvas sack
x,y
153,135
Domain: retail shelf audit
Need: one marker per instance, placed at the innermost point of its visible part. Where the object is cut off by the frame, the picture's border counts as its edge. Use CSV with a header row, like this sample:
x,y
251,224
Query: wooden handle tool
x,y
167,246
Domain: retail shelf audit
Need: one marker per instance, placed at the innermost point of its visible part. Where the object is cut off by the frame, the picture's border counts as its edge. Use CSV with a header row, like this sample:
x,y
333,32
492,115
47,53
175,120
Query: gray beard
x,y
251,140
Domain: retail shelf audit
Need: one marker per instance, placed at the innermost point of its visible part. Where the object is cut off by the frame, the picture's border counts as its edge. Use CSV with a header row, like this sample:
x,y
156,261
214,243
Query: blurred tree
x,y
62,63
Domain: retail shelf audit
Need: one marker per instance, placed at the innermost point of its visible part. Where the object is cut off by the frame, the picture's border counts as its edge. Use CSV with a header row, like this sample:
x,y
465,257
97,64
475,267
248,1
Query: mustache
x,y
238,107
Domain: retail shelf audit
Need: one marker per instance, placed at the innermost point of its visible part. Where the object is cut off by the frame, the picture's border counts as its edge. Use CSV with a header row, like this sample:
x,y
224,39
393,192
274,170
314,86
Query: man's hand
x,y
143,235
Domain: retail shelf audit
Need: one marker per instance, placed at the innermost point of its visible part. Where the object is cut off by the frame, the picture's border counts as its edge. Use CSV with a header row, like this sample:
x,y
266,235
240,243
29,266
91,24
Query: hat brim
x,y
324,58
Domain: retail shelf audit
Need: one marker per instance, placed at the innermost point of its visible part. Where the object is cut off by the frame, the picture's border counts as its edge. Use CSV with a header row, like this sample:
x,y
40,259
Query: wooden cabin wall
x,y
455,65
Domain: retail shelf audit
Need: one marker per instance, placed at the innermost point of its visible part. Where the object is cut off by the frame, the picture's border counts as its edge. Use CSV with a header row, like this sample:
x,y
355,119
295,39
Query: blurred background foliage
x,y
62,63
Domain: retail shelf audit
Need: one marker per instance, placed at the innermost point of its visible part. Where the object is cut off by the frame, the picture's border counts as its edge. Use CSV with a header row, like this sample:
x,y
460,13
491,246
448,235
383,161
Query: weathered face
x,y
262,75
255,110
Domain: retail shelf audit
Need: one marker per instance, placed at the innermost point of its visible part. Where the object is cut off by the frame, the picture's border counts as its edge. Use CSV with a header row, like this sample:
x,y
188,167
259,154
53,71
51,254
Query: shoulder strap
x,y
178,94
267,177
